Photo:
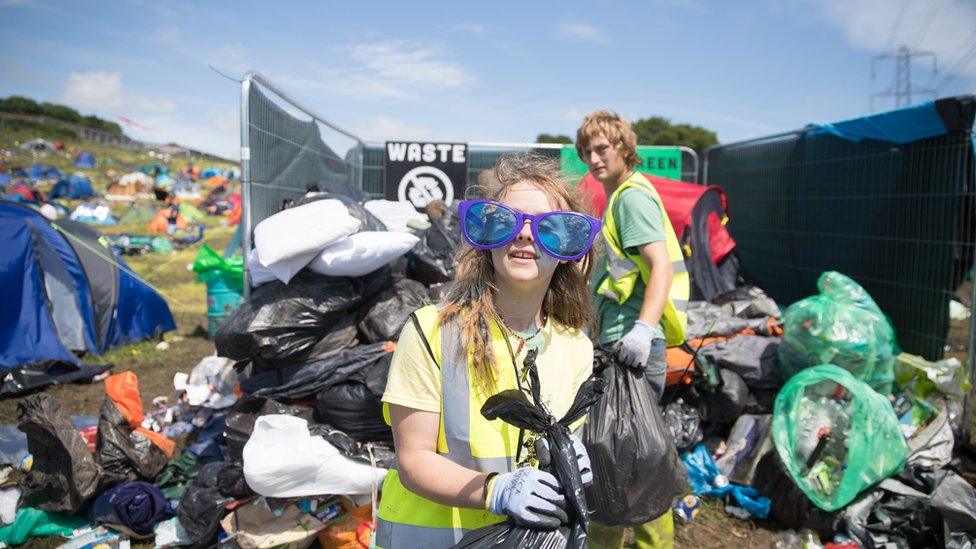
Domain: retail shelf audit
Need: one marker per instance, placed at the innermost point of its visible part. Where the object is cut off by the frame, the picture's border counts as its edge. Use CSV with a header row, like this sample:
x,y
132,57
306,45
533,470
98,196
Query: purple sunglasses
x,y
486,224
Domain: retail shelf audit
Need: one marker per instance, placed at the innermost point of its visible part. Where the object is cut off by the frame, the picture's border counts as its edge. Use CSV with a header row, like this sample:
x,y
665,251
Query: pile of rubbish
x,y
816,419
279,439
811,416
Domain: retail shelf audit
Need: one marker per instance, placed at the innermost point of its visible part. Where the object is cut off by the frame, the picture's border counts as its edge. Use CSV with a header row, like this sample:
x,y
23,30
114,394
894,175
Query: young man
x,y
642,286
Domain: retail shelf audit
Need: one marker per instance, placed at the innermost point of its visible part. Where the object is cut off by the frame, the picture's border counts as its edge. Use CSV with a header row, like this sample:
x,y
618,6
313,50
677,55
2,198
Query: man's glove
x,y
582,457
633,349
530,497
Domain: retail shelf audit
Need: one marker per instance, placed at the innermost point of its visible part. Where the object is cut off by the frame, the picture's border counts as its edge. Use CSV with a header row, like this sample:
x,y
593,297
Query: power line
x,y
891,34
962,62
926,22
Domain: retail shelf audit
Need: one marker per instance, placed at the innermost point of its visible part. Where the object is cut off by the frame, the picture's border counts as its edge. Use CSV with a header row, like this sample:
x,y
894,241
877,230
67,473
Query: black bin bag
x,y
636,471
513,407
282,323
64,475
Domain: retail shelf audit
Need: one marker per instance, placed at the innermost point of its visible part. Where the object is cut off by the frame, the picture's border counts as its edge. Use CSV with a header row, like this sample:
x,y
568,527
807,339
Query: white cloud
x,y
383,128
573,116
409,63
102,91
582,32
394,69
945,28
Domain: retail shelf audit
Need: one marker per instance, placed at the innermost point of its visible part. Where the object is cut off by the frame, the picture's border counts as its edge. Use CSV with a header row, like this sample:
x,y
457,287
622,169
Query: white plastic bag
x,y
394,214
283,460
211,383
289,239
362,253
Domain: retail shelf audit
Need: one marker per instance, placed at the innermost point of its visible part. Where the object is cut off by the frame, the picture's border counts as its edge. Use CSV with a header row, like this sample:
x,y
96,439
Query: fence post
x,y
245,153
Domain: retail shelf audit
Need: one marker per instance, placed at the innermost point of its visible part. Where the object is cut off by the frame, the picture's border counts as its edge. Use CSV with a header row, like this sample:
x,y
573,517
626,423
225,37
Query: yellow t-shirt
x,y
565,361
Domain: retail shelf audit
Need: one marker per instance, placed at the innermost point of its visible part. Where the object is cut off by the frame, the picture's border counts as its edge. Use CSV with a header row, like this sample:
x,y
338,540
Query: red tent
x,y
699,215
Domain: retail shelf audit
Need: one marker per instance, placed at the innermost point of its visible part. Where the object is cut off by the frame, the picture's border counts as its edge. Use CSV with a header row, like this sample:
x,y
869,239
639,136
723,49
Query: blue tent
x,y
85,160
41,171
210,172
74,186
63,294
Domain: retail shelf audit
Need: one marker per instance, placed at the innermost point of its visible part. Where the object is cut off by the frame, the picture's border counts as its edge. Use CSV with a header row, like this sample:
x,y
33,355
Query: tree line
x,y
655,130
24,105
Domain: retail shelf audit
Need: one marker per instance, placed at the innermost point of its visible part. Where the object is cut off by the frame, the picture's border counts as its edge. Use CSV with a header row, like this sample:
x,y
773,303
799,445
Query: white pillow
x,y
258,273
394,214
362,253
302,231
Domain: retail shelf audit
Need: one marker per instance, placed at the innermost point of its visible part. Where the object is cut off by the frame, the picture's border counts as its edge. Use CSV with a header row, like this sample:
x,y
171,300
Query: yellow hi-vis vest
x,y
406,519
624,268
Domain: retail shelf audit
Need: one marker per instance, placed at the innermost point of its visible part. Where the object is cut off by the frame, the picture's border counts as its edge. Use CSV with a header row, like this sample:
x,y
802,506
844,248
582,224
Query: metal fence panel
x,y
898,219
285,147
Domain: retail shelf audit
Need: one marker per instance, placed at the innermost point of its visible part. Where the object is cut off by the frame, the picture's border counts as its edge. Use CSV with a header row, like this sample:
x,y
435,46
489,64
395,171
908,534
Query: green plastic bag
x,y
841,325
835,435
209,265
31,523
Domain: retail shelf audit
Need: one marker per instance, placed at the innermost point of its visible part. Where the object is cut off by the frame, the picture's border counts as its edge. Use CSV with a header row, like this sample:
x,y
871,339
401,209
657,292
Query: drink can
x,y
687,508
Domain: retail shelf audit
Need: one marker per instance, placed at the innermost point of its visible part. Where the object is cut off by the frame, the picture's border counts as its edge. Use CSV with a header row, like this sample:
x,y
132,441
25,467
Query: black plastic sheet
x,y
351,407
389,311
64,475
432,260
281,323
202,507
304,381
789,505
123,453
636,471
513,407
728,401
918,508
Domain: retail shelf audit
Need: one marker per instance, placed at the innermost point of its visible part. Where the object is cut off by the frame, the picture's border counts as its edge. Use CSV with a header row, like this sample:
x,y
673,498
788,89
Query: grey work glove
x,y
582,457
530,497
633,349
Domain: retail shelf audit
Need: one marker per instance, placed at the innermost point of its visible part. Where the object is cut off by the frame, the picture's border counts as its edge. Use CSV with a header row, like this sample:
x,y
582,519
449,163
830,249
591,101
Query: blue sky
x,y
477,71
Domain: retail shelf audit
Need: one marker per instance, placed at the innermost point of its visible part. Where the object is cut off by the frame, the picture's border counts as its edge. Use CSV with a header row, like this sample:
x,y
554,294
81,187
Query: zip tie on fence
x,y
112,260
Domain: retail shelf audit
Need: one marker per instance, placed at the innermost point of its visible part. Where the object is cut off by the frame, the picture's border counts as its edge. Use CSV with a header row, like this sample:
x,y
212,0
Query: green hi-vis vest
x,y
624,268
406,519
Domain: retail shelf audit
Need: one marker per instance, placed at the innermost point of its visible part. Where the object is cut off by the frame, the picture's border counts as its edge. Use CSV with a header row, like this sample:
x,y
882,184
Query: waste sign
x,y
420,173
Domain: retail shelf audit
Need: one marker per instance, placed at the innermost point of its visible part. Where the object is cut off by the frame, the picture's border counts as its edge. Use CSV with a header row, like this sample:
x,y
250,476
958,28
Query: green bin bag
x,y
31,523
835,435
209,265
841,325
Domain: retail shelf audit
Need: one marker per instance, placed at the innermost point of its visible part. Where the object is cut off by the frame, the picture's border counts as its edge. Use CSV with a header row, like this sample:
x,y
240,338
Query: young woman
x,y
521,284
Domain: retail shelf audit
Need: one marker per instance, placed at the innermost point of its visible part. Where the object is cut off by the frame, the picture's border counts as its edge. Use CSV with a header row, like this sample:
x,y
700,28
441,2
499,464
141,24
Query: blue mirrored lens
x,y
564,234
488,225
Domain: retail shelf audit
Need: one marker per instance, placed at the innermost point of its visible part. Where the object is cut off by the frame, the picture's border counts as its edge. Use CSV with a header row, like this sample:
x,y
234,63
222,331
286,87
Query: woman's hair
x,y
612,126
471,300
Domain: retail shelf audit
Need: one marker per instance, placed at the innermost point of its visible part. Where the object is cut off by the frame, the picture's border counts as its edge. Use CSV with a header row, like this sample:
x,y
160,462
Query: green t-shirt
x,y
640,221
